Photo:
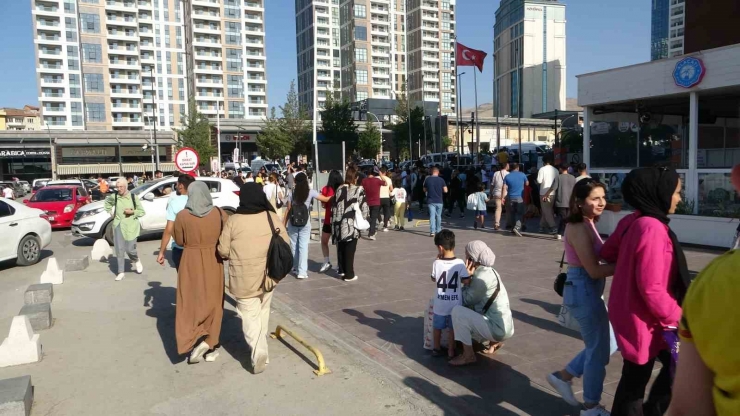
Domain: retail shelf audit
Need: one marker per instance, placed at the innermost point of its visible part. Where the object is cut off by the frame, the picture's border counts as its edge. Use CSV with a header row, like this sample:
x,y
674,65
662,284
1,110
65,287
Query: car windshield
x,y
141,188
52,195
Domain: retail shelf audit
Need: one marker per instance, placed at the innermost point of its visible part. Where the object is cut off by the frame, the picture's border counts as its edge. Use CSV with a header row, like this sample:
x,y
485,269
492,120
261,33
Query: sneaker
x,y
564,389
483,226
402,229
326,266
496,227
559,237
340,274
211,356
448,215
475,225
552,231
139,266
595,411
198,352
516,231
396,228
120,277
372,237
385,229
258,365
462,215
301,276
351,279
431,235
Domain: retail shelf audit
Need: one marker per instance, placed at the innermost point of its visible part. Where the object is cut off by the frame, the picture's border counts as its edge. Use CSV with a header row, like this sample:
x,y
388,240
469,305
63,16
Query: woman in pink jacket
x,y
650,281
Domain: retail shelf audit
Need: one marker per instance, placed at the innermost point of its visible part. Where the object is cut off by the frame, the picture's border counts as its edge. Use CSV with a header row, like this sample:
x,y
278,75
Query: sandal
x,y
437,353
459,361
493,348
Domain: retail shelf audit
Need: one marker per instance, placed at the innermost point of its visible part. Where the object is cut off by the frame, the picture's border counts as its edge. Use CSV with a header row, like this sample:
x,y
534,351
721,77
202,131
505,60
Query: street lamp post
x,y
52,154
460,133
380,128
154,126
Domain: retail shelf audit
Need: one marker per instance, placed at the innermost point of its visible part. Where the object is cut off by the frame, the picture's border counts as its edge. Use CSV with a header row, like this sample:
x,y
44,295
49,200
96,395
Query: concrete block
x,y
76,265
39,315
53,273
16,396
101,250
40,293
22,345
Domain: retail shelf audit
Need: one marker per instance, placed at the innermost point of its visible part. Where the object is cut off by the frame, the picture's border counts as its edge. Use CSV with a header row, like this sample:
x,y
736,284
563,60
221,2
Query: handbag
x,y
559,283
278,202
473,202
361,224
279,259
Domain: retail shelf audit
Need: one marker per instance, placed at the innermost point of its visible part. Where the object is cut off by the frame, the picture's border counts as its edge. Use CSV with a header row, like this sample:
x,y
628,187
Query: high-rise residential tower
x,y
529,45
118,64
359,48
667,28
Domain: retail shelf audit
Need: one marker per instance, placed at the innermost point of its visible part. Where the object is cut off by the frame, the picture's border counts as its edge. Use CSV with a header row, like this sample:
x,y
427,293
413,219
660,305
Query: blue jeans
x,y
299,237
435,217
515,212
582,295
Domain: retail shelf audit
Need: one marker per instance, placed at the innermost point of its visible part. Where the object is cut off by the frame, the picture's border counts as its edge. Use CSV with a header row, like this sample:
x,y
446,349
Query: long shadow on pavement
x,y
161,300
496,387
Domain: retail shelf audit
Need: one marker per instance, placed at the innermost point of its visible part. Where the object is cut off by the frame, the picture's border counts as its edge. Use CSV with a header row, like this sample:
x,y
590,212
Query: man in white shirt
x,y
8,192
547,178
497,193
582,172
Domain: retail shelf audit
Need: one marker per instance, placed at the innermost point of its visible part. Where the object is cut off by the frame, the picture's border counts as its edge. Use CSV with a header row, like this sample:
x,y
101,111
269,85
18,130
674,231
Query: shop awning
x,y
112,168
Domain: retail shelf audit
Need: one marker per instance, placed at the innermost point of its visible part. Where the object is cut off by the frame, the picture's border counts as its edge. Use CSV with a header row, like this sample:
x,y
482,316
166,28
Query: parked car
x,y
26,186
25,232
112,181
85,183
60,203
39,183
93,221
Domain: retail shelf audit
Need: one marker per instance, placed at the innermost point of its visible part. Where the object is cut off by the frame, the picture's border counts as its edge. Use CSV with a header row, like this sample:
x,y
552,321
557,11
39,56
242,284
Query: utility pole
x,y
519,102
154,126
52,154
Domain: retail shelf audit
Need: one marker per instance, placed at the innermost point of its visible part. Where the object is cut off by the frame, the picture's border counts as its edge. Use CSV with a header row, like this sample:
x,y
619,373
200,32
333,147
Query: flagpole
x,y
457,101
477,116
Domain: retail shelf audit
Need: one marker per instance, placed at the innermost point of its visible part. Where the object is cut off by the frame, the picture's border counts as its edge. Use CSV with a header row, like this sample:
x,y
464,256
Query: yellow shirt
x,y
711,321
503,157
259,180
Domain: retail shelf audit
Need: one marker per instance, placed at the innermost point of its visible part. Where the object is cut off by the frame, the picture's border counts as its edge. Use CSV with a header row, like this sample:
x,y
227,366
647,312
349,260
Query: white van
x,y
432,159
540,148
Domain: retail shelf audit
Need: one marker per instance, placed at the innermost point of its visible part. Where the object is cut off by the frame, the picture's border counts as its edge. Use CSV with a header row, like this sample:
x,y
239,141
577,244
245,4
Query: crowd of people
x,y
653,305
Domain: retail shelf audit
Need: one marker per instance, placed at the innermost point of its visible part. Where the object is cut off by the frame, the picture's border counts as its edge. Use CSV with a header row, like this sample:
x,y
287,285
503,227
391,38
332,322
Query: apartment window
x,y
361,95
69,6
72,51
74,92
445,5
90,1
169,62
179,63
360,55
73,64
170,94
236,109
445,17
233,33
76,107
446,60
92,53
235,86
172,114
178,34
360,11
446,100
181,89
361,77
167,40
90,23
93,82
360,33
231,12
74,80
96,112
234,60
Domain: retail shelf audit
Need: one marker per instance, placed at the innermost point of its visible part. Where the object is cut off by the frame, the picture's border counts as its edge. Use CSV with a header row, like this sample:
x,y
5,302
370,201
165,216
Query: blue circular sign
x,y
689,72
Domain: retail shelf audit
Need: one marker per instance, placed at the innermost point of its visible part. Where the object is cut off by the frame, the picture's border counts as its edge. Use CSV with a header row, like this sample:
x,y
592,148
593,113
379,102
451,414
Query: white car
x,y
93,221
26,186
25,232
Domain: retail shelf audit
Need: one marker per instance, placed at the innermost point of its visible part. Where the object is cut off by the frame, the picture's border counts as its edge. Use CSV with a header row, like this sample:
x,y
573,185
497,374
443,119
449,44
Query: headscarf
x,y
479,252
199,202
252,199
650,191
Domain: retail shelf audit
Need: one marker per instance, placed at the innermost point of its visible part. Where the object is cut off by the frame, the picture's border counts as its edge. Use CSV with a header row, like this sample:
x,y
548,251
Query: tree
x,y
368,144
337,123
196,134
446,143
274,142
295,122
401,128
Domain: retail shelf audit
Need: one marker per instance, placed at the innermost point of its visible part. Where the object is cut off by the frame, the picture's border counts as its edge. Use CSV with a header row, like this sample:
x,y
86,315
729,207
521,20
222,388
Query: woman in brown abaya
x,y
200,280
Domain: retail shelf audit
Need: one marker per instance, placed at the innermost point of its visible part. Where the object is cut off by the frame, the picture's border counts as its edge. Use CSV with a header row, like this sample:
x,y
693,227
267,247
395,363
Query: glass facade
x,y
659,30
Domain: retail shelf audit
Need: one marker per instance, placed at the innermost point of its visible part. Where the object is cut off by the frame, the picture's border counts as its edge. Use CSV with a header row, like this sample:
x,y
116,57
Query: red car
x,y
60,202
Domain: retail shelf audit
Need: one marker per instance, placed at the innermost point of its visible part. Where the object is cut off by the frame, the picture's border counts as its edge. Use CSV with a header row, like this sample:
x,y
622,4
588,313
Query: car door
x,y
215,188
155,218
10,229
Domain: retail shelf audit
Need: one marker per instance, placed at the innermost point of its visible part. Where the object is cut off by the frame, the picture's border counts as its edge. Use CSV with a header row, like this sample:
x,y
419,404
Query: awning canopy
x,y
113,168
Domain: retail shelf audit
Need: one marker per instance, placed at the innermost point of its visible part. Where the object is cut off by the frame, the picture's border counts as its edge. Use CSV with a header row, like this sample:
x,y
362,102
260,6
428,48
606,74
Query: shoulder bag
x,y
559,284
279,259
495,293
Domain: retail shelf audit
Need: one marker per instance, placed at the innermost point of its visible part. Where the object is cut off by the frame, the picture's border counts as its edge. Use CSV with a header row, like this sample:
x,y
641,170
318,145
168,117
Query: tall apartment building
x,y
529,43
360,49
667,29
108,64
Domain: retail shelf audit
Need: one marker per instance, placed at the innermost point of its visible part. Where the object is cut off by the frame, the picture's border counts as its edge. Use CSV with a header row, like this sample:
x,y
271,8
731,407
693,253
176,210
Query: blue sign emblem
x,y
689,72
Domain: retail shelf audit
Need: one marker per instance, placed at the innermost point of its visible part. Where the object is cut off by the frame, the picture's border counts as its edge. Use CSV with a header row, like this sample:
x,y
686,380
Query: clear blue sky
x,y
600,35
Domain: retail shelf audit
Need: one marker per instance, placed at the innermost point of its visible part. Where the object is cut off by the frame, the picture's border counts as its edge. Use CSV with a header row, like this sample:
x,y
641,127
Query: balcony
x,y
124,80
45,10
125,108
47,23
53,111
52,81
210,29
121,21
250,5
206,3
208,57
125,93
207,42
145,4
121,35
256,18
208,70
199,14
208,82
259,29
50,53
122,51
124,6
123,64
127,122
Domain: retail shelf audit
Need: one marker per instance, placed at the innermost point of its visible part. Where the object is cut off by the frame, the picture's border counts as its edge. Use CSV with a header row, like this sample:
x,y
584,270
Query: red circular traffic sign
x,y
187,160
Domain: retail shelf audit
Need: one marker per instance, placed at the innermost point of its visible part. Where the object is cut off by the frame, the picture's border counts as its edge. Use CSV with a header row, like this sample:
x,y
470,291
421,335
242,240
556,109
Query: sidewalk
x,y
111,351
381,317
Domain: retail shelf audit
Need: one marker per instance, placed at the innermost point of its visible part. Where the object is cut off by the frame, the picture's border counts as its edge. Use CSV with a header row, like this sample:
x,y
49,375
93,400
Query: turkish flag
x,y
469,57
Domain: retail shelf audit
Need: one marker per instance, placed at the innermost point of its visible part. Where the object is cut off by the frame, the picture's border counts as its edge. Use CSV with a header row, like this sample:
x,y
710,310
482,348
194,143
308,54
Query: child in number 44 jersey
x,y
447,273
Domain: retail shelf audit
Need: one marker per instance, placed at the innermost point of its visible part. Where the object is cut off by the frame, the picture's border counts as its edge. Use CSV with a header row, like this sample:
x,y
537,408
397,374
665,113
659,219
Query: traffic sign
x,y
186,160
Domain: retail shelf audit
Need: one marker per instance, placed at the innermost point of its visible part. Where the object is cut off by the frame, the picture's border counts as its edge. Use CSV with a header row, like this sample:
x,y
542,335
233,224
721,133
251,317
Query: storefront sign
x,y
186,160
138,151
13,153
600,127
103,151
689,72
239,138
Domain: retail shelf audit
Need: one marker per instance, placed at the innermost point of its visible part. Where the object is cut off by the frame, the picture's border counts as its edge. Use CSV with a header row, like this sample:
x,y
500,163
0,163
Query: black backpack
x,y
298,214
279,256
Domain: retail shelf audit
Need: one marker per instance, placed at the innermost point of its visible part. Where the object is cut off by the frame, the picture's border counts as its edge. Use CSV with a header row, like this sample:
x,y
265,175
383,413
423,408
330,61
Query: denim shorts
x,y
442,321
480,213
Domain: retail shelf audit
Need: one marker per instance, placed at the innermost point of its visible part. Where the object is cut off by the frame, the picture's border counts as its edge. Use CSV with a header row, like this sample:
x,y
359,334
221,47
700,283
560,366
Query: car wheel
x,y
29,251
108,234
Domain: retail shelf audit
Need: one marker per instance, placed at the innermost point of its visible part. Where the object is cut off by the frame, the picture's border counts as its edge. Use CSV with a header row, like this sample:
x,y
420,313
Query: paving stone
x,y
39,315
39,293
16,396
76,265
22,345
